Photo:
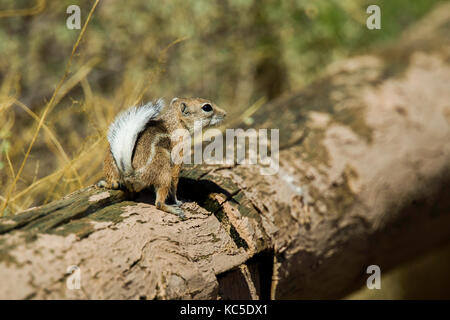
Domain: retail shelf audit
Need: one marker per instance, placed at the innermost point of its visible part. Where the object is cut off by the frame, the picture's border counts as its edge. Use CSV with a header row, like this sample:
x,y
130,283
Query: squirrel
x,y
141,142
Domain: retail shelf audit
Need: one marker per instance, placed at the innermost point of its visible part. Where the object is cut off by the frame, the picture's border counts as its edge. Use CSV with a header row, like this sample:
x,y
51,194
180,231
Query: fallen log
x,y
364,179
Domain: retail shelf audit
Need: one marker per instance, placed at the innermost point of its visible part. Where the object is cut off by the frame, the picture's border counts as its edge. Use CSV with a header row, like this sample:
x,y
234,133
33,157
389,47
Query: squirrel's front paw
x,y
175,200
179,212
171,209
176,210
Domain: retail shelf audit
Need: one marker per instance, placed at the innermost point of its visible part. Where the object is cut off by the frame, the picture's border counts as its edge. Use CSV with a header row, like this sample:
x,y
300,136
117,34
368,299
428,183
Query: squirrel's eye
x,y
207,108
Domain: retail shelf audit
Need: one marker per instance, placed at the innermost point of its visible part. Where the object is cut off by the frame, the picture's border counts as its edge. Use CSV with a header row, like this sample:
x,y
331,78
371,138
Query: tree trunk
x,y
363,180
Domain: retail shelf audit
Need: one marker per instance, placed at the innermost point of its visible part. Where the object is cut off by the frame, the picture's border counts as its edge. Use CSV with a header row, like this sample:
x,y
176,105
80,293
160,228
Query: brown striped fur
x,y
155,143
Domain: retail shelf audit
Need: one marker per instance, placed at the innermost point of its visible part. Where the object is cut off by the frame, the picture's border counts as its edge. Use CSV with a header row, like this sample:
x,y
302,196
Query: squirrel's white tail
x,y
125,129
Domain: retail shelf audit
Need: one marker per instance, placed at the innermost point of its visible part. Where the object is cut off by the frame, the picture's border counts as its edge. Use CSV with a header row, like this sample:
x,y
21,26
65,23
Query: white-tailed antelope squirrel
x,y
141,143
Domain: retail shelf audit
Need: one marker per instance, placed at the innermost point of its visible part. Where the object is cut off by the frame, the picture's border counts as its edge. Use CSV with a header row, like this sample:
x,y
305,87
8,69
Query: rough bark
x,y
364,179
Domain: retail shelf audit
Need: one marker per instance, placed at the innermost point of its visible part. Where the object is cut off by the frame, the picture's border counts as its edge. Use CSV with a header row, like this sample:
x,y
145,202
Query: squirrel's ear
x,y
184,108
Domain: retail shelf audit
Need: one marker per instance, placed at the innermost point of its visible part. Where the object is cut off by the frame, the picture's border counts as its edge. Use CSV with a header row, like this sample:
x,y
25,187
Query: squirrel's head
x,y
197,111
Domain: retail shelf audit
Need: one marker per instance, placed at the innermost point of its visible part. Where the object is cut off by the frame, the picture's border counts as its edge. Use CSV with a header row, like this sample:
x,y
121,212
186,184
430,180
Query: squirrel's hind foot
x,y
115,185
103,184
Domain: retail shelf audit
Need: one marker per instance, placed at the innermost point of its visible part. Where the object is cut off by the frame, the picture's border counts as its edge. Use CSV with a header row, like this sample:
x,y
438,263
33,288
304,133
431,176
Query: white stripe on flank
x,y
155,141
123,132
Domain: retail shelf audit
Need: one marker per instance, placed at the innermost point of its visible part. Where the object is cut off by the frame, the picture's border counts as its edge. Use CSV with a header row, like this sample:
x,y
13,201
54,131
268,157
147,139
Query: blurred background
x,y
238,53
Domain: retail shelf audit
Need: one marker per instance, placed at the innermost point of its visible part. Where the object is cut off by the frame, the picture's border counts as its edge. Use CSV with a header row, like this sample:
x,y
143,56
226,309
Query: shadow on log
x,y
364,179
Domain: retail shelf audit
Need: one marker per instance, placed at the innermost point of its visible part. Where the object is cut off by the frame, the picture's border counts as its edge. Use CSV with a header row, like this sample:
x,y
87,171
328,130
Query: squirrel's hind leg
x,y
111,173
115,185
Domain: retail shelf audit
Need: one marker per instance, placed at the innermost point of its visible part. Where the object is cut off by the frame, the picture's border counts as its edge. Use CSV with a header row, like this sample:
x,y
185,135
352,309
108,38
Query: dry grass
x,y
15,177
